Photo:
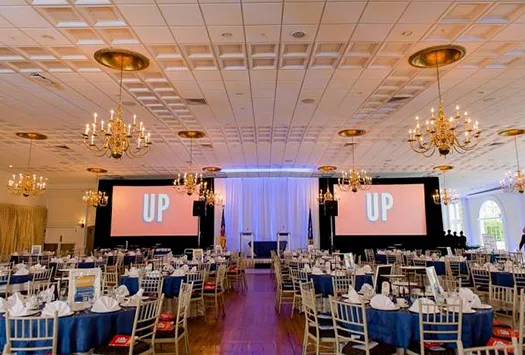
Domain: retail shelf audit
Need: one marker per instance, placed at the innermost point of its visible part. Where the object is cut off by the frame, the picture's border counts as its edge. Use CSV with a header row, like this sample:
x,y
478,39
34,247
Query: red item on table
x,y
121,340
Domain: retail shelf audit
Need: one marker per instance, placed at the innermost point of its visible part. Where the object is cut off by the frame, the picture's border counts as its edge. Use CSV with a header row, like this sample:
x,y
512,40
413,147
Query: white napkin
x,y
60,307
14,298
105,304
424,302
36,268
3,305
122,291
194,269
18,309
316,271
476,302
359,271
367,269
132,253
133,272
21,272
307,268
185,267
466,294
149,267
48,294
366,288
89,259
382,302
385,288
178,272
135,299
353,296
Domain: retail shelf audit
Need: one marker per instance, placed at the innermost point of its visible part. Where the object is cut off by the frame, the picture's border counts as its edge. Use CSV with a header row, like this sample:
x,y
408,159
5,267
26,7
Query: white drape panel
x,y
265,206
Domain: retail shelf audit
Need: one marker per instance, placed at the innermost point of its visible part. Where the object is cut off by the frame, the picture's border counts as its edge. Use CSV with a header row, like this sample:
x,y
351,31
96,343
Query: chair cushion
x,y
139,348
379,349
323,333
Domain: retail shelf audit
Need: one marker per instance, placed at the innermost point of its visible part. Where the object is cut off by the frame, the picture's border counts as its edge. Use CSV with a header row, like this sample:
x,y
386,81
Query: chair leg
x,y
187,342
216,307
222,303
305,341
176,347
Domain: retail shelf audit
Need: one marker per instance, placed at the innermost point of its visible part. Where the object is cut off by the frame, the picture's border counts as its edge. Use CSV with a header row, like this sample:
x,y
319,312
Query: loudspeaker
x,y
331,208
199,208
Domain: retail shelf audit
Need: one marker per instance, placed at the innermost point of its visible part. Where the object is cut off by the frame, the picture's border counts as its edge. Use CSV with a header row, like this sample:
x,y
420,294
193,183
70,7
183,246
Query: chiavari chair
x,y
351,329
152,285
450,284
197,297
497,349
5,279
214,291
297,278
481,281
370,256
237,274
109,278
144,331
31,335
341,283
285,290
180,326
504,301
518,274
521,322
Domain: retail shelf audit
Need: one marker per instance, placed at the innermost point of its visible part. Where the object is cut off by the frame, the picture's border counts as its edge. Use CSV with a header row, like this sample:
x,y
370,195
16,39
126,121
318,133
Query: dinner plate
x,y
92,311
482,306
416,312
388,310
29,313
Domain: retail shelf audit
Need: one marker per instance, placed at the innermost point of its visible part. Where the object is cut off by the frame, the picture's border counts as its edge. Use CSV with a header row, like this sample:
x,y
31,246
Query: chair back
x,y
498,349
452,267
31,334
220,276
521,323
145,322
518,274
450,284
370,256
481,278
440,322
43,275
349,323
152,285
504,301
183,306
5,279
197,278
308,302
35,287
342,283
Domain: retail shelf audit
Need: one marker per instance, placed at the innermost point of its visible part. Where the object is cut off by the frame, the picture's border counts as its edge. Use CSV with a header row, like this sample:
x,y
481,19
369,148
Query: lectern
x,y
283,237
246,244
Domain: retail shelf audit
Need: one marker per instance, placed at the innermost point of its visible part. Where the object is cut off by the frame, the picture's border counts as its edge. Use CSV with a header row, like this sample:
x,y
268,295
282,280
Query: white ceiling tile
x,y
182,15
222,14
371,32
302,13
23,16
343,12
154,35
383,12
405,32
142,15
15,37
424,11
263,34
190,34
262,13
226,34
309,30
47,36
335,33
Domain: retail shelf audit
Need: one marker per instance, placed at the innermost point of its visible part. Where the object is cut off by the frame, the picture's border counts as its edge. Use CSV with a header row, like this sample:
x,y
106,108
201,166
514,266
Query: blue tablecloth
x,y
438,265
84,331
323,283
502,279
128,259
262,249
401,328
82,265
170,287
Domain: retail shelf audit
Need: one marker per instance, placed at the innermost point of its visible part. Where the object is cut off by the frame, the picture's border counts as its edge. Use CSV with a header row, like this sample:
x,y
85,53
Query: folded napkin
x,y
307,268
72,260
136,298
353,296
14,298
359,271
466,306
382,302
385,288
105,304
178,272
3,305
89,259
367,268
59,307
20,266
476,302
220,258
168,268
193,269
132,253
317,271
185,267
149,267
211,261
425,302
48,294
366,288
21,272
18,309
466,294
122,291
133,272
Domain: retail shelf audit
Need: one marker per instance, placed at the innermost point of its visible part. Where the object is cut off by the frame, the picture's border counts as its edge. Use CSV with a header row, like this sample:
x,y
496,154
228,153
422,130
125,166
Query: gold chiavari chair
x,y
481,281
180,329
5,279
109,278
521,323
504,301
237,274
314,330
197,297
297,278
450,284
439,321
144,330
214,291
518,274
429,252
285,290
370,256
152,285
351,329
31,335
341,283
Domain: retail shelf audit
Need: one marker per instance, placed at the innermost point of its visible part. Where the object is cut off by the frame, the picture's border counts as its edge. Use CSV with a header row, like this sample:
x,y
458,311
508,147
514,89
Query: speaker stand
x,y
199,233
332,234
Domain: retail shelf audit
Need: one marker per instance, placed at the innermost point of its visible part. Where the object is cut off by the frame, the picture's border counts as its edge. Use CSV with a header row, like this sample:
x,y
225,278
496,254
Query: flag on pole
x,y
310,228
222,238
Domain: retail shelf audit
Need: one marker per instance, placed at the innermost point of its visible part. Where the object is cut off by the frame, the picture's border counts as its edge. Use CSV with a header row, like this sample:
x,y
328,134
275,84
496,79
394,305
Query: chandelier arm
x,y
517,155
438,79
121,74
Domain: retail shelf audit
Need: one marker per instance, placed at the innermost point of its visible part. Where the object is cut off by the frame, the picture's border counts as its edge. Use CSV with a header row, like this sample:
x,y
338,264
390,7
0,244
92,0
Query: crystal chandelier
x,y
456,133
444,196
327,195
189,182
94,197
208,195
117,139
27,184
514,182
353,179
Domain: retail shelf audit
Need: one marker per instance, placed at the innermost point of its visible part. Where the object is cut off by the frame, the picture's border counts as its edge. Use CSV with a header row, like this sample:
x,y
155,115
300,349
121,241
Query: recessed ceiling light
x,y
226,35
308,101
298,34
407,33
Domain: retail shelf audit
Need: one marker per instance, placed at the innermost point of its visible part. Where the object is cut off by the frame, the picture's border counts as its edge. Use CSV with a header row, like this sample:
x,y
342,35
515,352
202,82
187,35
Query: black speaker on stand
x,y
199,210
331,209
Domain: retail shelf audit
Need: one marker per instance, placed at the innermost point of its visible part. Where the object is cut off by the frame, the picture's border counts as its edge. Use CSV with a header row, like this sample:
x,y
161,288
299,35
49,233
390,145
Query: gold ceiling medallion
x,y
327,168
188,182
441,132
27,184
192,134
94,197
121,59
437,56
514,182
351,132
117,138
444,196
353,179
211,169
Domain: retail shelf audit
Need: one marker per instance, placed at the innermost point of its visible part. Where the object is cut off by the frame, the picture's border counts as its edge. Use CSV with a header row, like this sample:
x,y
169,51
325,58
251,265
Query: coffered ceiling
x,y
279,80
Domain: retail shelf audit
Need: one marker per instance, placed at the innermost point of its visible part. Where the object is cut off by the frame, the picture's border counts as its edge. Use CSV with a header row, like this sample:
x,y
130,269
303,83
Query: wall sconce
x,y
82,222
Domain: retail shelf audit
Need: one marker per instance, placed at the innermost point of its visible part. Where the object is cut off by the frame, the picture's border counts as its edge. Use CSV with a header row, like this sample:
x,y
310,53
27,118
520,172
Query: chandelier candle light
x,y
188,182
27,184
94,197
514,182
116,138
207,194
327,195
456,133
445,196
353,179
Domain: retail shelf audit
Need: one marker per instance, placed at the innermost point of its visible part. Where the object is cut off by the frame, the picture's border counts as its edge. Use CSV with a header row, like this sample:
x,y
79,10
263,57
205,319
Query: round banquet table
x,y
401,328
85,330
438,265
323,283
170,287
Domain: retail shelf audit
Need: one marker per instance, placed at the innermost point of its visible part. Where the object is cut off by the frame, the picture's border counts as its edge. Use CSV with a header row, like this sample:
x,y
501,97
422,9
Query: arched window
x,y
491,222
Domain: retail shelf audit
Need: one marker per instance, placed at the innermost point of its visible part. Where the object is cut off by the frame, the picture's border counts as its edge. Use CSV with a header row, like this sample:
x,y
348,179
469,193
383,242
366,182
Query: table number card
x,y
433,280
84,287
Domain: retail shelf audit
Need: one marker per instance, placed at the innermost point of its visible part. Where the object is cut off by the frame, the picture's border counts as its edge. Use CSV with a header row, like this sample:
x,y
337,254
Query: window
x,y
455,217
491,223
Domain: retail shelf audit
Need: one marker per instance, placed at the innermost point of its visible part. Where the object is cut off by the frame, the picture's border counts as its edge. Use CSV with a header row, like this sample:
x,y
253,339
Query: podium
x,y
246,244
282,237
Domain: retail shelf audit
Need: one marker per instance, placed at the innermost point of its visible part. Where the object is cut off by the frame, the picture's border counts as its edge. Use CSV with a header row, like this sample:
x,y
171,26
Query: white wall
x,y
513,210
